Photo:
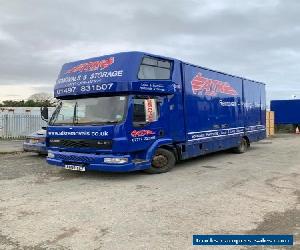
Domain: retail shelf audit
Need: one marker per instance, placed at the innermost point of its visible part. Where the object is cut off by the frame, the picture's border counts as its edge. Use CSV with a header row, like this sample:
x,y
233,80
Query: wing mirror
x,y
45,113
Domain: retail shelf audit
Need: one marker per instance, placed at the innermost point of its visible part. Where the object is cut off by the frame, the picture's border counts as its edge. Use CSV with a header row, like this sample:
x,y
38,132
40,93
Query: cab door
x,y
148,121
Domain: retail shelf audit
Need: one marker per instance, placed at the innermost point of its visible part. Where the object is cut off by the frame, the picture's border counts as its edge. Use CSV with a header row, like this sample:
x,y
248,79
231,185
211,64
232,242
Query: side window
x,y
145,110
154,69
66,113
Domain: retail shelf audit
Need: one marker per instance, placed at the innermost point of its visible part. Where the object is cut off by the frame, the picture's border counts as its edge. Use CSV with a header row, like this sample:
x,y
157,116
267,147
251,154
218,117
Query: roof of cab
x,y
141,53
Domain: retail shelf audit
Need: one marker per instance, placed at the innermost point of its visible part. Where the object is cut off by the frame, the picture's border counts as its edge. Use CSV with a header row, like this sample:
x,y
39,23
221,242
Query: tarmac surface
x,y
43,207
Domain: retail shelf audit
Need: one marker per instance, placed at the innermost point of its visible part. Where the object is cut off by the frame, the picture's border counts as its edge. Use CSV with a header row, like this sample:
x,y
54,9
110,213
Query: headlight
x,y
116,160
50,155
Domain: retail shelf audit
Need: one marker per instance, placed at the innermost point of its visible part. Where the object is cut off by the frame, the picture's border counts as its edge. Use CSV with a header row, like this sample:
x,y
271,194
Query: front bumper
x,y
35,147
95,162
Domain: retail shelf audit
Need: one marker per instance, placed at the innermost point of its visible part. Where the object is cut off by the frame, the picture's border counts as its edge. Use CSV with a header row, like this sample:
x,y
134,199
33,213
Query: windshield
x,y
89,111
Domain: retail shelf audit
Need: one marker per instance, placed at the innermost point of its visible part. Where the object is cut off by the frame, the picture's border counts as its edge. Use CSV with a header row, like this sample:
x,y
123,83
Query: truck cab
x,y
121,112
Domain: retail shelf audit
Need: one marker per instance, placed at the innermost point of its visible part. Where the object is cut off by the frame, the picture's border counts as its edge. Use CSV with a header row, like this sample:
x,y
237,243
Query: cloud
x,y
256,39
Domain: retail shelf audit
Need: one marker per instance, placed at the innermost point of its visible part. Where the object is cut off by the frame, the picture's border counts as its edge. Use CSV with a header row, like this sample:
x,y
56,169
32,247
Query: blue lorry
x,y
286,111
137,111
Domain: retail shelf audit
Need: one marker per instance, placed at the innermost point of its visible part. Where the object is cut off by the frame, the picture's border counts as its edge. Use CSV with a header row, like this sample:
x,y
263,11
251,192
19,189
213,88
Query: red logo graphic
x,y
139,133
210,87
92,66
150,110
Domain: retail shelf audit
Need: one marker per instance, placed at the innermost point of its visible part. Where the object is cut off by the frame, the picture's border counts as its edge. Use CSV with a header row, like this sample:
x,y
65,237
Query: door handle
x,y
161,133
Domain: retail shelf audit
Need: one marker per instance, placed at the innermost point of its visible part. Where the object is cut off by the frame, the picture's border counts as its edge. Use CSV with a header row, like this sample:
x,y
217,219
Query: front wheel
x,y
163,161
242,147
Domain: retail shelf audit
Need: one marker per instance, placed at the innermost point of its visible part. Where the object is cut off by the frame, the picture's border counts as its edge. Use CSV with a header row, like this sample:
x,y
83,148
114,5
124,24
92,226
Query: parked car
x,y
36,142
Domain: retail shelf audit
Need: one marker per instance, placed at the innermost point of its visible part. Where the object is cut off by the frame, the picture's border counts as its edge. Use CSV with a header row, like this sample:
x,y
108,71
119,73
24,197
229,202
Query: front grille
x,y
77,143
75,158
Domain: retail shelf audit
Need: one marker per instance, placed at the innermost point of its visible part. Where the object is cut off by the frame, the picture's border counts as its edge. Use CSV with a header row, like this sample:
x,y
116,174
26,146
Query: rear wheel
x,y
163,161
242,147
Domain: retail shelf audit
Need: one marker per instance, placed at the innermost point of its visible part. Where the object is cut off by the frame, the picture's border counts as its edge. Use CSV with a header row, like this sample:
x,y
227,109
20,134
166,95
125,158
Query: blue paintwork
x,y
95,162
37,147
123,72
286,111
198,115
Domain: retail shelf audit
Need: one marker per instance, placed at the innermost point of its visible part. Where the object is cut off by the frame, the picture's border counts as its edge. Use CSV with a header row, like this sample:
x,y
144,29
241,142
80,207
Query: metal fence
x,y
15,126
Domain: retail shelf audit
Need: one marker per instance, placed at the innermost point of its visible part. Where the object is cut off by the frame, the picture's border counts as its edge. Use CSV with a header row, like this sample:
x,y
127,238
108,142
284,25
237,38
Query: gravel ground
x,y
11,146
42,207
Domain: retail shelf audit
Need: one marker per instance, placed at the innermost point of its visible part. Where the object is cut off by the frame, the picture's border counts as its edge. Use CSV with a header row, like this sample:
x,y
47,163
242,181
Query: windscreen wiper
x,y
103,123
74,115
55,114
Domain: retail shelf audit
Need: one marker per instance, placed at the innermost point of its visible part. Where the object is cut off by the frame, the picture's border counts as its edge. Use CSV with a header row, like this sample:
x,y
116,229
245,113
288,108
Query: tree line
x,y
27,103
35,100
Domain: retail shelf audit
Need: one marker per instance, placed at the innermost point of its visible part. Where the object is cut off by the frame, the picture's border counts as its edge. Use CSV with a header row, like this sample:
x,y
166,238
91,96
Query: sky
x,y
256,39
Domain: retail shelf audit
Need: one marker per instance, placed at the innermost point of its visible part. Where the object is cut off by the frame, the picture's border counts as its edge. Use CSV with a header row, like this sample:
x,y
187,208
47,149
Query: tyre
x,y
163,161
242,147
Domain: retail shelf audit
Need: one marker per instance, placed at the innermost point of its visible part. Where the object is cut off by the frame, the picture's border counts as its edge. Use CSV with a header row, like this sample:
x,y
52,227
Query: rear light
x,y
42,140
35,140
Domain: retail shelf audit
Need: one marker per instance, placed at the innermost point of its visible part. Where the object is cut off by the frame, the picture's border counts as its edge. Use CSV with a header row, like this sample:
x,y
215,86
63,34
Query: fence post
x,y
5,126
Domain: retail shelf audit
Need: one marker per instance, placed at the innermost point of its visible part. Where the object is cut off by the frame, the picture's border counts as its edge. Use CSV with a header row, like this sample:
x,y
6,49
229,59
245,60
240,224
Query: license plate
x,y
75,167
